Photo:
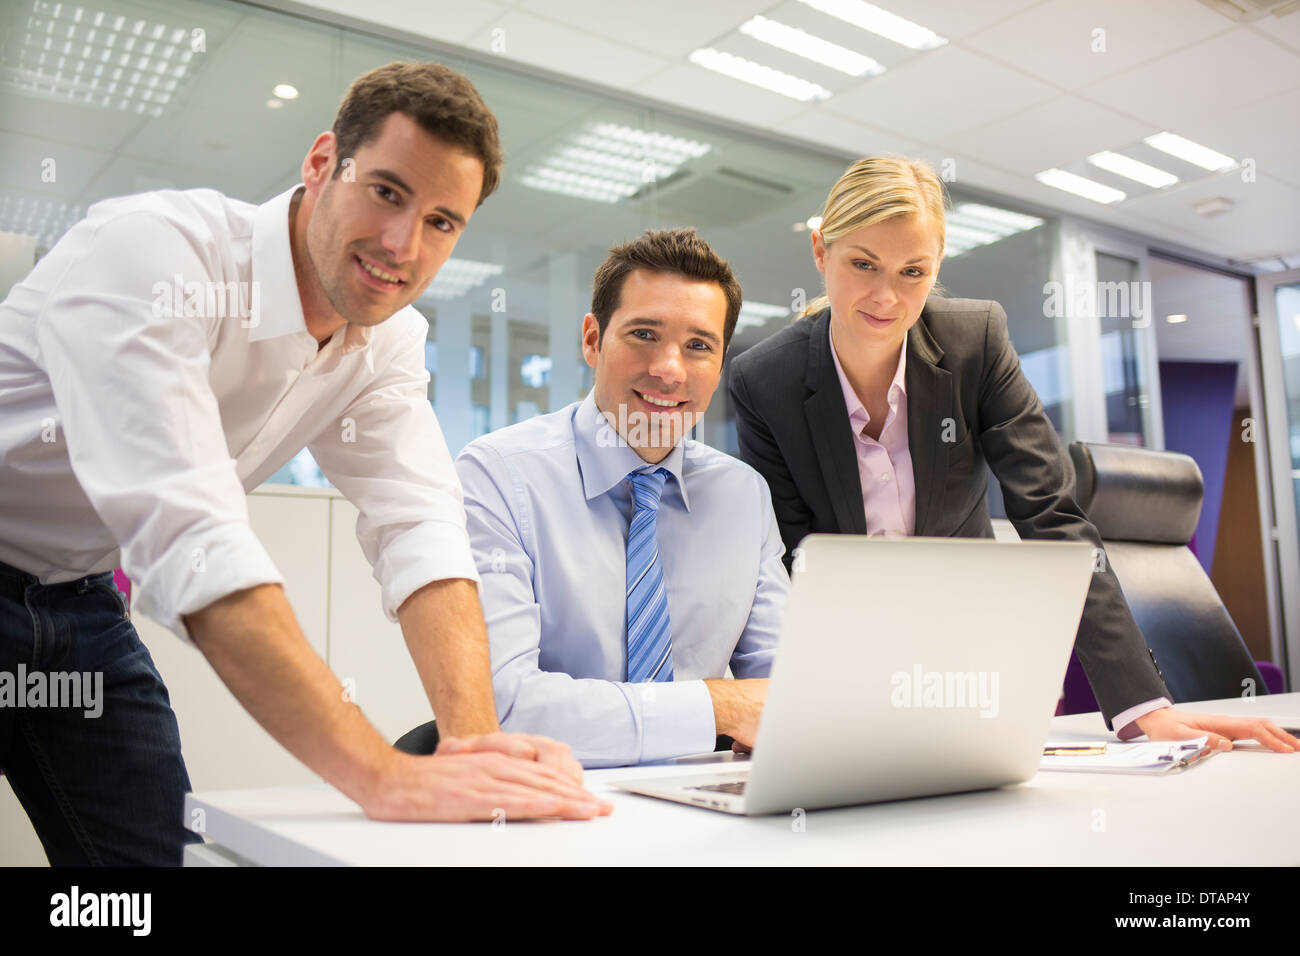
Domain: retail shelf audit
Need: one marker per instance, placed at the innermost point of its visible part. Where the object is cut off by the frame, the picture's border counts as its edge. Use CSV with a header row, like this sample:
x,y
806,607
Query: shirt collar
x,y
858,414
605,459
280,308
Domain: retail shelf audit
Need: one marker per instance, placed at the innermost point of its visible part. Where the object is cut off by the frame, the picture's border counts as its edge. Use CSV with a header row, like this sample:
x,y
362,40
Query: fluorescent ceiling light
x,y
1004,221
286,91
1190,152
880,22
970,225
44,219
606,162
459,276
796,41
1132,169
753,314
1087,188
68,53
1175,319
748,71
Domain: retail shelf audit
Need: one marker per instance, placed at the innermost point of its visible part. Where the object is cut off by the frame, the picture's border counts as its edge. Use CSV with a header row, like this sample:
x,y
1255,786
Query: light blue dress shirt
x,y
548,506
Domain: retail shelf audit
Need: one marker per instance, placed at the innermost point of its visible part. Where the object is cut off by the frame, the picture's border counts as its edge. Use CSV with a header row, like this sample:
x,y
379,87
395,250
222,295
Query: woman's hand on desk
x,y
1170,723
544,750
485,785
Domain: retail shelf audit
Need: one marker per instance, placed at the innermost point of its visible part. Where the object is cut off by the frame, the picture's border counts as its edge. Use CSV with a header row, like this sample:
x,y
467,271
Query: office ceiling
x,y
1023,85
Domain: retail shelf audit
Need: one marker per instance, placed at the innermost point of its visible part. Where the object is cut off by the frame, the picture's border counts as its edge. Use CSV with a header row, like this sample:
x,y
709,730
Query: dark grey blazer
x,y
793,427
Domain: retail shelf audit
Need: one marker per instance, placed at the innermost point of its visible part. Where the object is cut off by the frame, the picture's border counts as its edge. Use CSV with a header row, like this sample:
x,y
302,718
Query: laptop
x,y
907,667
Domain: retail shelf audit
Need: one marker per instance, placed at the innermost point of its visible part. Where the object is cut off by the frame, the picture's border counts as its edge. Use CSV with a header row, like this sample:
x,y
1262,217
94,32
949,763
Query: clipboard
x,y
1148,758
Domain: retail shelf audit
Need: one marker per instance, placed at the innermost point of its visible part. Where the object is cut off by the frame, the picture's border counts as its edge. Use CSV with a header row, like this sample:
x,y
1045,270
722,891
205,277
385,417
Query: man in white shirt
x,y
171,352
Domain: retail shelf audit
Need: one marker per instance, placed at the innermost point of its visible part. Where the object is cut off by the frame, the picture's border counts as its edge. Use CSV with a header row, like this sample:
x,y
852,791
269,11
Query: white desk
x,y
1235,808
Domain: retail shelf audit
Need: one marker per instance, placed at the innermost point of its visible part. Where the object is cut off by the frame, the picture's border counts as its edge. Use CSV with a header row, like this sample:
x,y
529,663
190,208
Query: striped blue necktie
x,y
649,644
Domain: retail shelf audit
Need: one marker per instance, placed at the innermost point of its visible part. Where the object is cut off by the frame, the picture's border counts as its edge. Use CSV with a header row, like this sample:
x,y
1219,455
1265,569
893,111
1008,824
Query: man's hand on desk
x,y
737,705
476,786
544,750
1170,723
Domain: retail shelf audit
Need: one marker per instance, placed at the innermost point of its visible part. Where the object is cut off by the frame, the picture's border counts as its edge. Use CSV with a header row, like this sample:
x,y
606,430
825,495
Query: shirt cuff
x,y
676,718
428,551
1126,722
199,569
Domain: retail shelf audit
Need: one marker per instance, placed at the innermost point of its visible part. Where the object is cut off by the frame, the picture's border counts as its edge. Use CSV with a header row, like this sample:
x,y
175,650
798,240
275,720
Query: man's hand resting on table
x,y
1170,723
476,786
550,753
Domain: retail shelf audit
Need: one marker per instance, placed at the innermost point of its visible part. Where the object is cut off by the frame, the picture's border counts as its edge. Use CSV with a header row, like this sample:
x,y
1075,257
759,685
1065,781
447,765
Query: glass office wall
x,y
584,171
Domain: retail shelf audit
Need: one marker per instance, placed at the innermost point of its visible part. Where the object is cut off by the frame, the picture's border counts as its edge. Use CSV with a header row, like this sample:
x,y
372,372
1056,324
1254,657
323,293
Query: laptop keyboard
x,y
731,786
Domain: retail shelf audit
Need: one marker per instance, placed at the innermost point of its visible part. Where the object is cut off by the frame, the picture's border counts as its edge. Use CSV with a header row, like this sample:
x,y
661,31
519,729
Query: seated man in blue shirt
x,y
623,566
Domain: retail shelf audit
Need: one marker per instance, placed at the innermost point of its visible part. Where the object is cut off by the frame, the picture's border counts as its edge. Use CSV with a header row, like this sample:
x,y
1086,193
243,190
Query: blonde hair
x,y
876,189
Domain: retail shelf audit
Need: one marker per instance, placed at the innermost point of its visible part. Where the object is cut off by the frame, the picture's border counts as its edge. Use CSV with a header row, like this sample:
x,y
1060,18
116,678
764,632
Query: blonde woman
x,y
876,412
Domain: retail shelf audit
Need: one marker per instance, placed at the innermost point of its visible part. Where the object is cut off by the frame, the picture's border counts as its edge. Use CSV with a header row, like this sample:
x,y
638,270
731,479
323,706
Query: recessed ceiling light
x,y
758,313
1190,152
274,104
1132,169
748,71
970,225
1087,188
63,52
459,276
804,44
880,22
1175,319
285,91
814,222
606,162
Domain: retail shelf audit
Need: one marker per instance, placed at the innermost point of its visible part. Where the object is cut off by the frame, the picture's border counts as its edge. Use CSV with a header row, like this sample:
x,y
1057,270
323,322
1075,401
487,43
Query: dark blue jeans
x,y
99,773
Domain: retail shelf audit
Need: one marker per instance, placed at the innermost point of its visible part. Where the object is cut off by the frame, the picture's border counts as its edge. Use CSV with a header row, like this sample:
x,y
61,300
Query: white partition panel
x,y
367,651
223,746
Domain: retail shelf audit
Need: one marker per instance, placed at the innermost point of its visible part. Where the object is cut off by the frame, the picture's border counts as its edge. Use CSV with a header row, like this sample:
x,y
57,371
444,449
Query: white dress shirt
x,y
138,406
549,508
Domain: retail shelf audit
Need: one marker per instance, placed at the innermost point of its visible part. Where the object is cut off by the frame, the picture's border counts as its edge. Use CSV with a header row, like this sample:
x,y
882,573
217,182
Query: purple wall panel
x,y
1198,406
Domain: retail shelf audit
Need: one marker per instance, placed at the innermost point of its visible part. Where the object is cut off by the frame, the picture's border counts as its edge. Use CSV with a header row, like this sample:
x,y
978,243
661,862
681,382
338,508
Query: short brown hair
x,y
442,101
675,251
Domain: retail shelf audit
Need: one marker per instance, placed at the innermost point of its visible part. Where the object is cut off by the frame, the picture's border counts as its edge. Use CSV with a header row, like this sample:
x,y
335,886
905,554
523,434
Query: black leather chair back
x,y
1145,505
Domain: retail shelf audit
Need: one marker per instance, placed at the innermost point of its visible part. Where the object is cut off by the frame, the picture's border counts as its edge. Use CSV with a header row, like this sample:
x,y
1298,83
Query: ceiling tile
x,y
522,38
667,28
821,127
1258,132
940,93
1055,41
956,19
1265,219
1055,133
452,22
1284,29
699,89
1225,72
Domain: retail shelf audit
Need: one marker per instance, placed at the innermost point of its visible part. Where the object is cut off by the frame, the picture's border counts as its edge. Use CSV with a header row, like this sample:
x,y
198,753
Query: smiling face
x,y
877,280
376,235
660,358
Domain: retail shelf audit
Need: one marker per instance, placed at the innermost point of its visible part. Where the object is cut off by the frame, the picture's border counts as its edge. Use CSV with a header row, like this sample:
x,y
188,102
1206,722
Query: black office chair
x,y
423,740
1145,505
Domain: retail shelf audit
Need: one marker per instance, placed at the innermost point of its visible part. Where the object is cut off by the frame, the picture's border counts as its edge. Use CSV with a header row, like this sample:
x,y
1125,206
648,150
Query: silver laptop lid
x,y
915,666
